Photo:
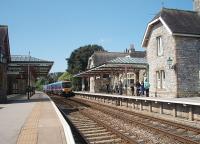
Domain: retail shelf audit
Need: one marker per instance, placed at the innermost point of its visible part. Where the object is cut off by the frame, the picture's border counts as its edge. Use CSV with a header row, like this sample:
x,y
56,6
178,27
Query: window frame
x,y
160,79
159,45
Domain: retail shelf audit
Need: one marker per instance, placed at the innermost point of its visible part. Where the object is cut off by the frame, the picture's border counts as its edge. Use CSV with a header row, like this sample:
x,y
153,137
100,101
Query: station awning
x,y
20,63
117,65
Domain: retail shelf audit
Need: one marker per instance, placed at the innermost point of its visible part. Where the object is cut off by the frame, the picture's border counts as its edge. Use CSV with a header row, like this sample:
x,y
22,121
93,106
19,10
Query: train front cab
x,y
67,88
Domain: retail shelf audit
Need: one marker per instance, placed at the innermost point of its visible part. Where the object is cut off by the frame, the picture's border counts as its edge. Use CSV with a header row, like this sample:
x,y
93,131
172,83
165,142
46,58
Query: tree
x,y
78,61
53,77
66,76
79,58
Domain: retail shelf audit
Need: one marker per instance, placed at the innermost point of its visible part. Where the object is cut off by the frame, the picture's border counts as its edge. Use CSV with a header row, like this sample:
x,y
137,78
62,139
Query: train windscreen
x,y
66,85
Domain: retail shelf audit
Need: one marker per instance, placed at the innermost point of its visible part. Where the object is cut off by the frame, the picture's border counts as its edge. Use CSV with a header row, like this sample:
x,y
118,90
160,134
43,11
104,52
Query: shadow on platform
x,y
24,99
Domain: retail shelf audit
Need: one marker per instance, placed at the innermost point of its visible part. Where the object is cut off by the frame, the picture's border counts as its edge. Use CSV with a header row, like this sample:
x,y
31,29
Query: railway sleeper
x,y
111,141
101,137
85,123
76,121
97,134
86,126
94,131
80,119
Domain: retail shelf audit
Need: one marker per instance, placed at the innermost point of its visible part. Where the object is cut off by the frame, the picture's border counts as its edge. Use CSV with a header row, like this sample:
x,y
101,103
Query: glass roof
x,y
128,60
25,58
117,65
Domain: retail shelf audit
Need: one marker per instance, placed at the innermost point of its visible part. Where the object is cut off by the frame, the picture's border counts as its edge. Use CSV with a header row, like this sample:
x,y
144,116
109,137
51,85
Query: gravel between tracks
x,y
140,134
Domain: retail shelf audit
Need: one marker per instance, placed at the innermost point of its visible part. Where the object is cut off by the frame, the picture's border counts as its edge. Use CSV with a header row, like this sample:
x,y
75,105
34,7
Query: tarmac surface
x,y
33,121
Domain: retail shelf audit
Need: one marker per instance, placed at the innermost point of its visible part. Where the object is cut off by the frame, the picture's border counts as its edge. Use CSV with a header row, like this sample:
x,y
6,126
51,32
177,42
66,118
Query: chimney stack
x,y
196,5
131,49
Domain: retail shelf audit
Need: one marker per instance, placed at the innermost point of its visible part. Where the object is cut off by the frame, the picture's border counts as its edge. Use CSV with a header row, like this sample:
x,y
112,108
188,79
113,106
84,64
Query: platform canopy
x,y
21,63
117,65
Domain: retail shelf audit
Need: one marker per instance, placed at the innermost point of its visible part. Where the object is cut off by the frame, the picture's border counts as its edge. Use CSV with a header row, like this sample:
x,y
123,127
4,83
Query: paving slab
x,y
33,121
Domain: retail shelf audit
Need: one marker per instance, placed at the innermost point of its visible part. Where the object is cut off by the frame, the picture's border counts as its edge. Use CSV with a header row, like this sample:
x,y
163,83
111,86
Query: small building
x,y
4,60
109,68
172,42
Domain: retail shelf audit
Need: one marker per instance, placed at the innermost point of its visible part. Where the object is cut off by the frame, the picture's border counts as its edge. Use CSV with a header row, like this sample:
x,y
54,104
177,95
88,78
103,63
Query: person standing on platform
x,y
116,88
137,88
146,86
142,89
108,88
120,88
132,89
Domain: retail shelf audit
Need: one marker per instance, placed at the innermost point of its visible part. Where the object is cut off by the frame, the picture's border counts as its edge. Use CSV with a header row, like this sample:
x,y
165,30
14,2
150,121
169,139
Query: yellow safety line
x,y
29,131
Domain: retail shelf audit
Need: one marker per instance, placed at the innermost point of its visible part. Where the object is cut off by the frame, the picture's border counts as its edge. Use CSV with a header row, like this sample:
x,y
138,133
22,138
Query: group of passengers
x,y
118,88
141,88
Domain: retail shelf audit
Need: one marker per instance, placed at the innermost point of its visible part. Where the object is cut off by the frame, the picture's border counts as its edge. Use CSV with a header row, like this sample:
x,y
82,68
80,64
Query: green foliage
x,y
51,78
79,58
39,84
76,83
78,62
66,76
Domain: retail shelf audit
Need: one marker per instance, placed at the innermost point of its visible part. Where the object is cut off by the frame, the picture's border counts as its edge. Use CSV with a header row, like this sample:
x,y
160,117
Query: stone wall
x,y
157,63
196,6
183,79
187,67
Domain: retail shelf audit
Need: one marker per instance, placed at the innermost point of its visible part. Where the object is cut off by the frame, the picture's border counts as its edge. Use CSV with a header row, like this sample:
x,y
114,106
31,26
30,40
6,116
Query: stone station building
x,y
172,42
109,68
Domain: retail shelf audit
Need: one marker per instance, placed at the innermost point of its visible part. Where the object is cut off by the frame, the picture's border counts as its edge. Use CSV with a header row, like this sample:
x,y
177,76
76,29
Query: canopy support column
x,y
126,84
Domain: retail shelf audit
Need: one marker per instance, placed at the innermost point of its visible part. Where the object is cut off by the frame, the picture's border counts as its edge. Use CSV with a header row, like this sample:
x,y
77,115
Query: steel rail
x,y
175,136
124,137
120,134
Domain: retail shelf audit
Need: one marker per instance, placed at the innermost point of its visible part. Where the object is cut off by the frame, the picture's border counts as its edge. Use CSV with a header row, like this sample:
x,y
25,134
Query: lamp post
x,y
28,89
169,62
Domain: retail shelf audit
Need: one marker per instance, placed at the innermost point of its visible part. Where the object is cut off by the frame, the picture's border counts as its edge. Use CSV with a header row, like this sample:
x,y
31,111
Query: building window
x,y
160,79
159,46
163,79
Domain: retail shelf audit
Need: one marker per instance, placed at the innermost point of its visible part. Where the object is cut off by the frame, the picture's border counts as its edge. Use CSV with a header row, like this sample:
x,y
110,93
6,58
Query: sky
x,y
52,29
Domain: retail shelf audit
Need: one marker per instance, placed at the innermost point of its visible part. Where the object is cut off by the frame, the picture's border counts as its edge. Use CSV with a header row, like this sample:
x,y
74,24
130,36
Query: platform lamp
x,y
169,62
29,75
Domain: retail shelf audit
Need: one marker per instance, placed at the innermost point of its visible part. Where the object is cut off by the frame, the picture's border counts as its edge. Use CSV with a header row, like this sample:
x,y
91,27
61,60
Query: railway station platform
x,y
34,121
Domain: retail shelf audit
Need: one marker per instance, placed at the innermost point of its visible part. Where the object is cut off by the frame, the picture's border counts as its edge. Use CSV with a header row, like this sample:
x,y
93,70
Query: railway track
x,y
93,130
182,133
